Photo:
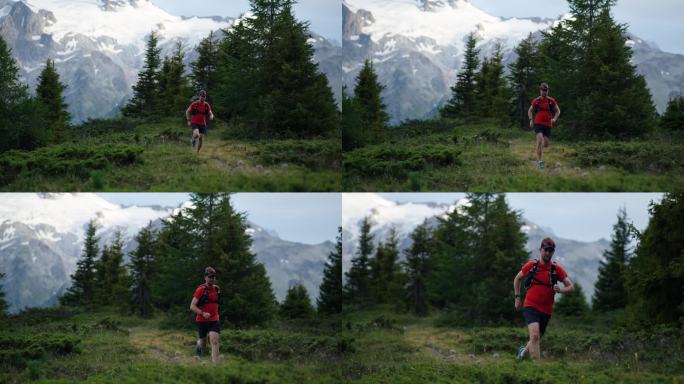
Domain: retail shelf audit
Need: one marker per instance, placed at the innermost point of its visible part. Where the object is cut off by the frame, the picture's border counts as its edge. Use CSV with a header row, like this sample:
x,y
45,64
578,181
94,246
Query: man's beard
x,y
546,258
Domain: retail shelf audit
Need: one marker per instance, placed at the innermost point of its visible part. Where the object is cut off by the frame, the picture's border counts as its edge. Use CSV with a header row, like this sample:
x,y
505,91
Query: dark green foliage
x,y
297,304
572,304
632,156
3,301
462,102
357,287
254,345
524,80
673,118
203,74
145,100
367,95
83,284
316,154
417,267
173,85
656,274
49,92
398,161
475,248
142,267
387,278
212,233
267,76
18,351
609,291
491,90
330,292
354,132
586,60
111,278
72,159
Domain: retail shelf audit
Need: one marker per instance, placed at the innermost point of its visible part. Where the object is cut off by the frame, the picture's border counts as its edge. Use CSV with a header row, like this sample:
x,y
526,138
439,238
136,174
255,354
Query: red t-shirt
x,y
202,111
541,296
211,306
544,116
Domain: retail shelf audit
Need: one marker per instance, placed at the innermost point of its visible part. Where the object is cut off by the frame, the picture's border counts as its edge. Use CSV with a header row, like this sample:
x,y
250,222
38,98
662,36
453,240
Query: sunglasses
x,y
543,89
549,249
211,276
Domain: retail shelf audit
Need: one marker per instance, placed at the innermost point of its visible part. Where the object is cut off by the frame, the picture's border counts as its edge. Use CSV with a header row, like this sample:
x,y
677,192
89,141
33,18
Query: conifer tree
x,y
246,295
656,273
203,75
524,80
367,93
49,92
462,102
386,277
330,293
357,288
417,266
82,290
142,269
673,118
145,100
610,291
297,304
22,122
572,304
173,84
354,134
111,284
3,301
491,91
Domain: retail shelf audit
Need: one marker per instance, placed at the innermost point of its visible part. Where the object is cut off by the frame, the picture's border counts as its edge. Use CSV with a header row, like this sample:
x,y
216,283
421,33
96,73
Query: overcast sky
x,y
309,218
577,216
325,16
652,20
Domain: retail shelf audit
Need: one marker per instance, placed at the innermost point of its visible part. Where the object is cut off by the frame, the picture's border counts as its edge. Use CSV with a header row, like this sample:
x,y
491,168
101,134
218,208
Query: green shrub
x,y
68,159
633,156
397,161
313,154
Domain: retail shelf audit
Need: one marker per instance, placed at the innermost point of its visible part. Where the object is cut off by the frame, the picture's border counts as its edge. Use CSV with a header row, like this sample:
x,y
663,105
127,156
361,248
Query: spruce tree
x,y
357,288
22,121
111,287
462,102
330,293
491,91
656,273
246,295
3,301
354,134
145,100
203,70
82,290
524,80
610,292
297,304
572,304
173,84
142,269
49,92
673,118
417,267
367,93
386,277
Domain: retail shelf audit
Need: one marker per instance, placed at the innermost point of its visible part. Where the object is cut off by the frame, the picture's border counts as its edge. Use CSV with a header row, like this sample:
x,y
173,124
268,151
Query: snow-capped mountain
x,y
580,259
417,47
98,45
41,239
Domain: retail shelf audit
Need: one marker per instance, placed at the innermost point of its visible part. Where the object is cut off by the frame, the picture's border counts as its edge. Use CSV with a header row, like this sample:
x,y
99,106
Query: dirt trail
x,y
168,346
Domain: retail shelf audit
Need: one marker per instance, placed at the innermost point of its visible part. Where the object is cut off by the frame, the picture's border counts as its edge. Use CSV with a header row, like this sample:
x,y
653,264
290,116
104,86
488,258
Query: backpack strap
x,y
554,275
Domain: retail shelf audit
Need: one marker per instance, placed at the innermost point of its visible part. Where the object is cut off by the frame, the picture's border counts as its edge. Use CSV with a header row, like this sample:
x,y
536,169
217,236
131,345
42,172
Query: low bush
x,y
633,156
397,161
313,154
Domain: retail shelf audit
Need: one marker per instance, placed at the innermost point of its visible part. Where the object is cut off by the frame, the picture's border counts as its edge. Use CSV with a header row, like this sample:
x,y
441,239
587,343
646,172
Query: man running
x,y
205,305
544,117
196,115
540,277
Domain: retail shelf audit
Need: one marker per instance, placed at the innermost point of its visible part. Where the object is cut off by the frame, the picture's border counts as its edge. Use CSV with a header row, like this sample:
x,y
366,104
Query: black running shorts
x,y
544,130
204,327
202,129
532,315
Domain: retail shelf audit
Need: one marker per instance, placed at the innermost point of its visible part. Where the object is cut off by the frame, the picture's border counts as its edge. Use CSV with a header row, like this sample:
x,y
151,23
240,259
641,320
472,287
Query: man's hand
x,y
189,125
518,304
557,289
531,123
205,315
